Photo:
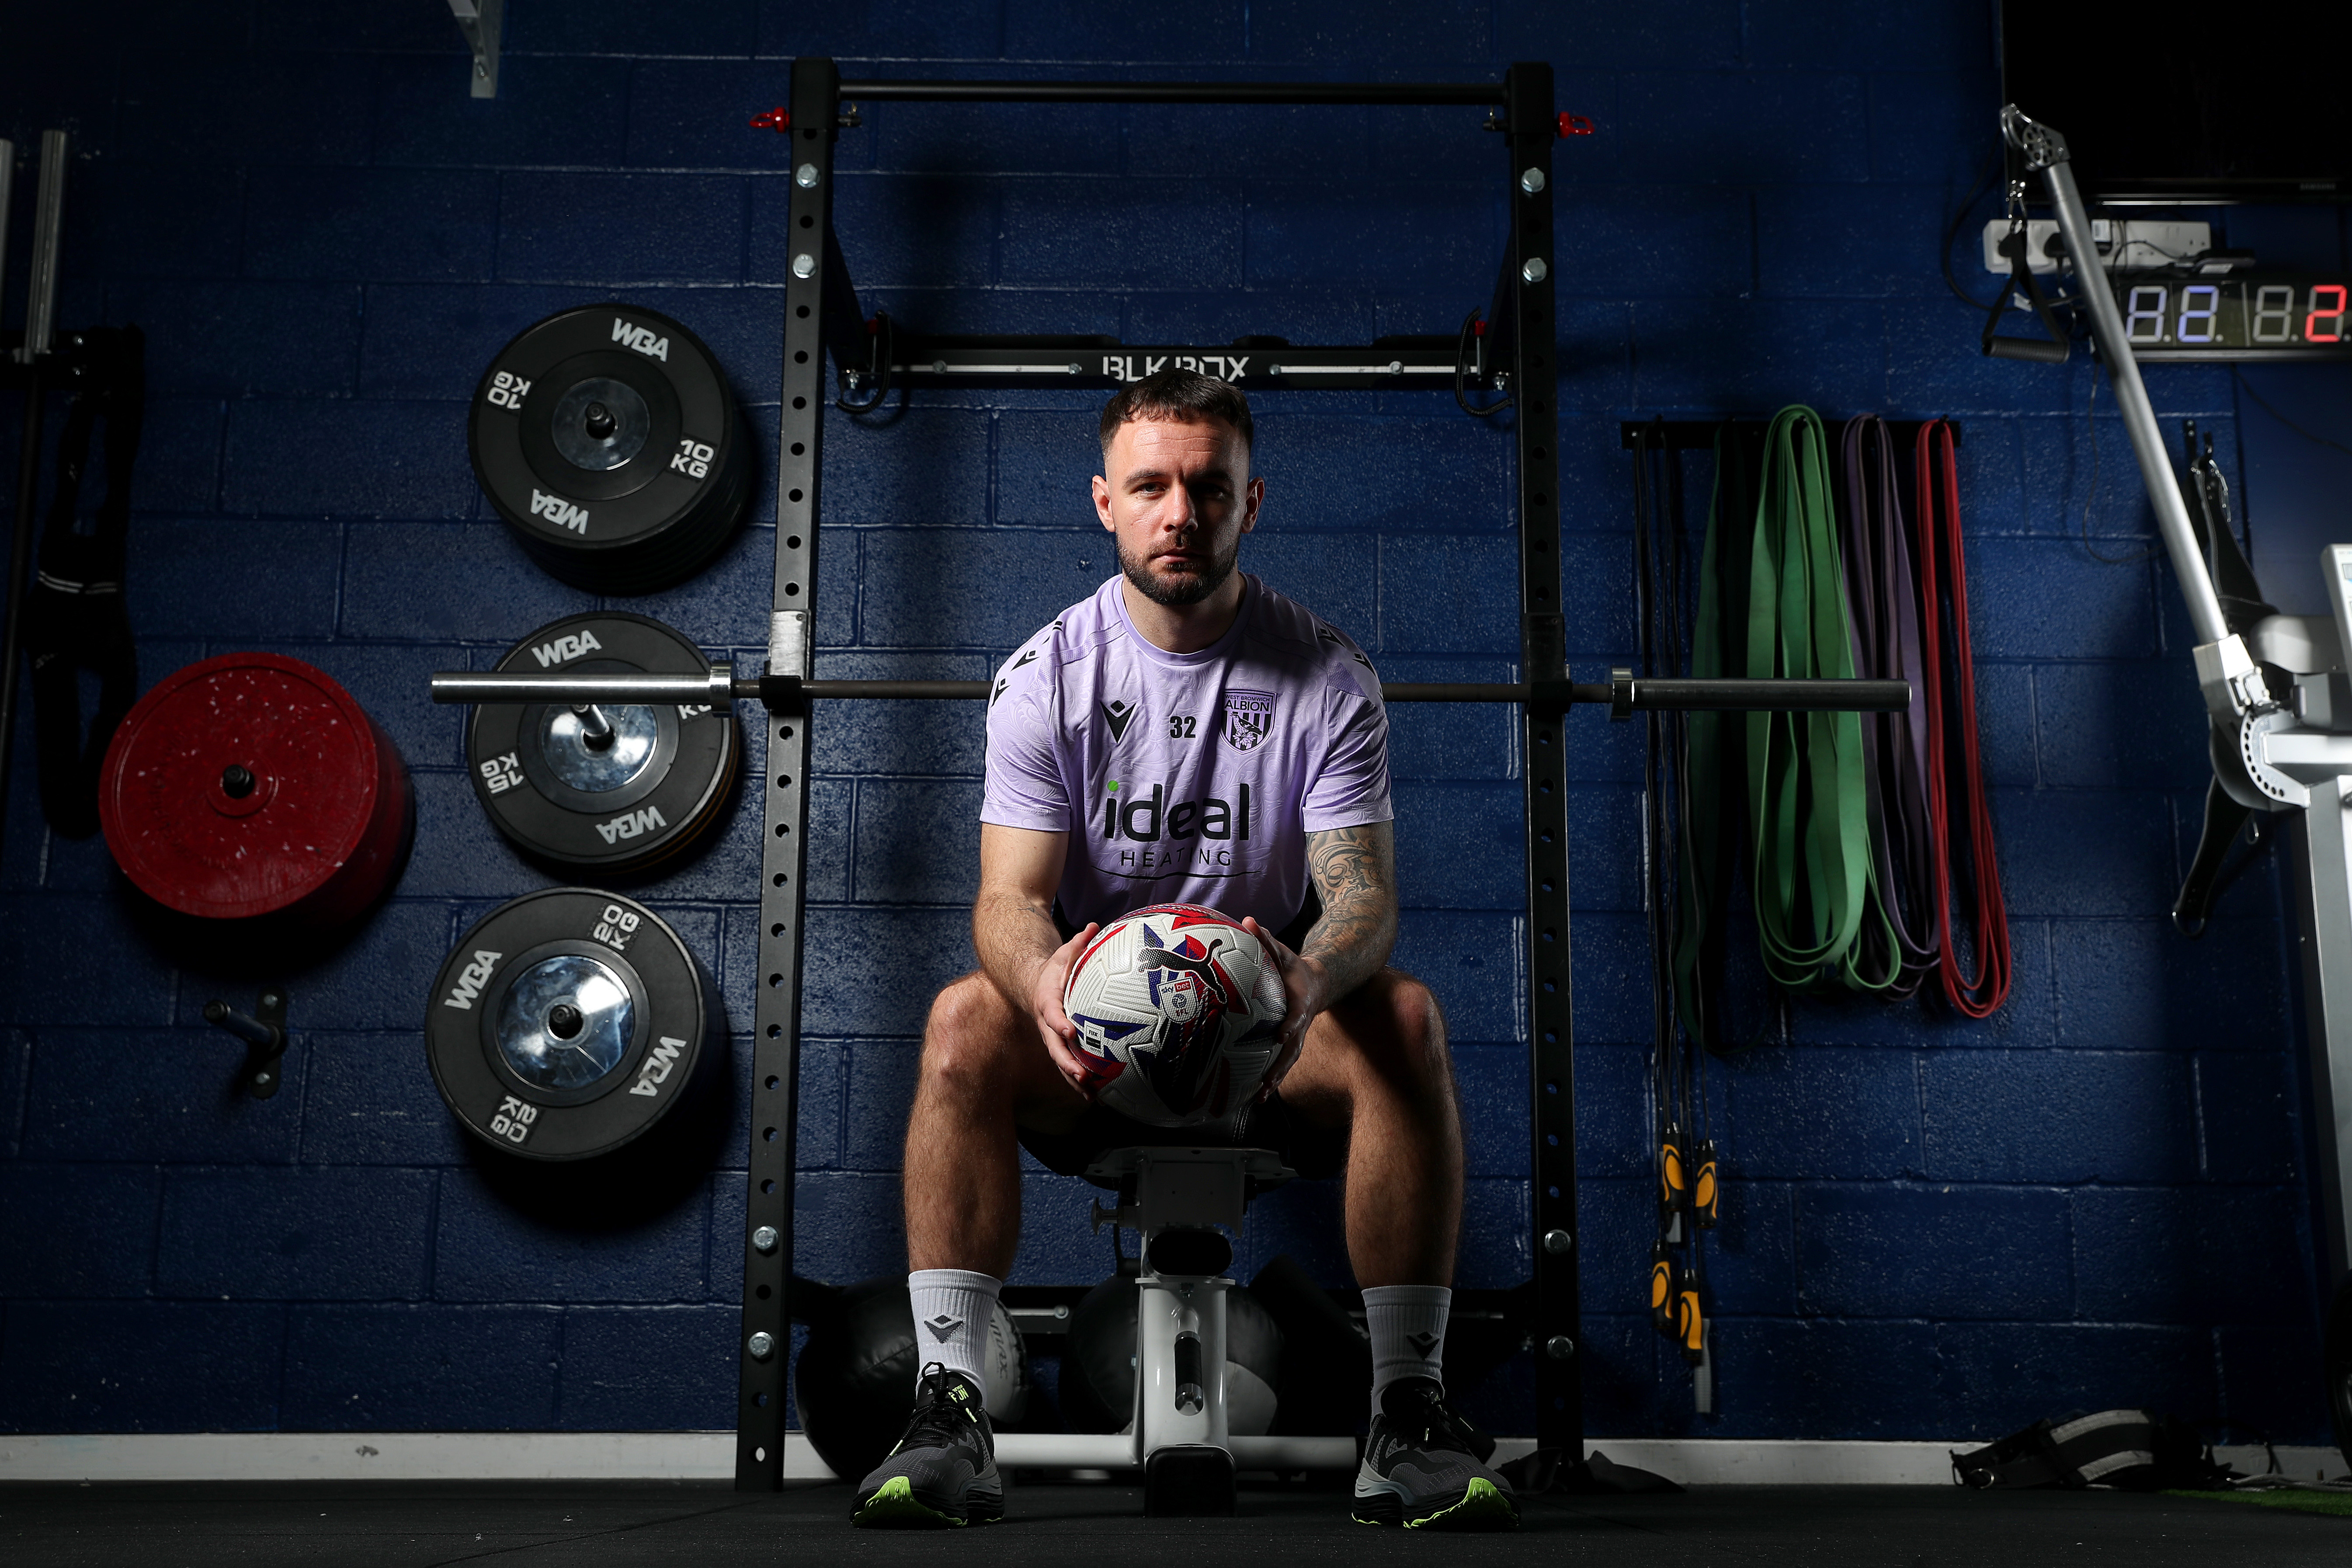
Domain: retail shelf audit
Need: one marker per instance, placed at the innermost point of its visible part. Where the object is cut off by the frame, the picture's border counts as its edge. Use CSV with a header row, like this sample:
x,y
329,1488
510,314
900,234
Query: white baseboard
x,y
711,1456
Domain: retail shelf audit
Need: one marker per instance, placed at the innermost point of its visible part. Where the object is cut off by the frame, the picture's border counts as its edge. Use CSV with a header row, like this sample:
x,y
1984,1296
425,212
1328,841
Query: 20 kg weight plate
x,y
616,787
569,1023
607,438
254,784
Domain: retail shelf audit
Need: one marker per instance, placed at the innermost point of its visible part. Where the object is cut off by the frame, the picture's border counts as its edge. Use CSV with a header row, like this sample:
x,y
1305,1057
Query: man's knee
x,y
966,1040
1396,1023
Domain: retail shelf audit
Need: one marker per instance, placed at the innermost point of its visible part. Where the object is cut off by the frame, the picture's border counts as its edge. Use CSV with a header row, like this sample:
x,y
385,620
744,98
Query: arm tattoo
x,y
1355,875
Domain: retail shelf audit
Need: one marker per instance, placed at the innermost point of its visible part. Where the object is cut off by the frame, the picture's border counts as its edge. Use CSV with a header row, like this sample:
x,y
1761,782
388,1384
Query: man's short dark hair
x,y
1183,395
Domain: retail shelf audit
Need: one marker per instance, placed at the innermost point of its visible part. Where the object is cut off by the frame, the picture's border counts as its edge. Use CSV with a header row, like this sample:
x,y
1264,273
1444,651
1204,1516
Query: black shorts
x,y
1312,1152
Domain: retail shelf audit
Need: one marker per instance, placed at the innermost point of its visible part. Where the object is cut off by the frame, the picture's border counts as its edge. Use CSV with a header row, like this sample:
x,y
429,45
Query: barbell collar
x,y
790,694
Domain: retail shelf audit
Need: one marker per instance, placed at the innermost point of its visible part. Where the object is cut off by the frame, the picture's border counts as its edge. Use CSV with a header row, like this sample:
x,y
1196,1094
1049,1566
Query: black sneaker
x,y
943,1471
1422,1469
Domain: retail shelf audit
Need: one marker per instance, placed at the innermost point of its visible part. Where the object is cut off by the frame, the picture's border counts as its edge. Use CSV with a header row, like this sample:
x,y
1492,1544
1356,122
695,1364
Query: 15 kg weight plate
x,y
252,784
616,787
607,438
568,1023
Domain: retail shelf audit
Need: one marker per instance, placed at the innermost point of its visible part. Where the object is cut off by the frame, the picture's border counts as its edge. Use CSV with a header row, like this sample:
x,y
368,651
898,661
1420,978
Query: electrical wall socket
x,y
2147,242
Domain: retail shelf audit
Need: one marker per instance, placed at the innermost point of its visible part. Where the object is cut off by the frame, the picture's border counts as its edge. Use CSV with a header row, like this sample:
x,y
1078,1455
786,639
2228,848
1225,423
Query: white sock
x,y
1408,1326
954,1308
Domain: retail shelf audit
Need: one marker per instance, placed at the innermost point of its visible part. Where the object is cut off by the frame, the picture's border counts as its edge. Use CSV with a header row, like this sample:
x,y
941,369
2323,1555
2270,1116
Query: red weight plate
x,y
318,828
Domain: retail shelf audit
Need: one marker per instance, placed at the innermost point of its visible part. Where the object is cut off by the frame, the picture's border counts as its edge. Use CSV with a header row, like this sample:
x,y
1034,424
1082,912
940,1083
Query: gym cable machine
x,y
2276,689
1511,352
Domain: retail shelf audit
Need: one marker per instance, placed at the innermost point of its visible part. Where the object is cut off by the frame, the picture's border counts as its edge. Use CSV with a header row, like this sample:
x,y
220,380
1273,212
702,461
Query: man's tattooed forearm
x,y
1354,873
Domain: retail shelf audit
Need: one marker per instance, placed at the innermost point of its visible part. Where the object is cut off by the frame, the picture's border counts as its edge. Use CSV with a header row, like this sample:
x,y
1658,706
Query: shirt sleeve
x,y
1352,788
1024,787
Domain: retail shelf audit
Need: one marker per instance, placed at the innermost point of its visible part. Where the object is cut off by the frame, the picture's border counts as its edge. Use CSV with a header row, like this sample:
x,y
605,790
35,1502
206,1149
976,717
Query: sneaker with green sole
x,y
943,1472
1421,1468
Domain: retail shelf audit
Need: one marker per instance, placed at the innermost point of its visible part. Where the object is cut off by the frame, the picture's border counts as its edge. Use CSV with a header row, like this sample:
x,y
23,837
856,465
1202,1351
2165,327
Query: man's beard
x,y
1178,589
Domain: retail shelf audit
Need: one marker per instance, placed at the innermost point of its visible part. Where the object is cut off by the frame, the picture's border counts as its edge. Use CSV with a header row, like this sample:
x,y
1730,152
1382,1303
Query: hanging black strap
x,y
2020,275
75,618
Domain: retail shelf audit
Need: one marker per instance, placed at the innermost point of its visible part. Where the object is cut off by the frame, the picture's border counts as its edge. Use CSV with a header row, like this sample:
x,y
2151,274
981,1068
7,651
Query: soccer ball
x,y
1176,1009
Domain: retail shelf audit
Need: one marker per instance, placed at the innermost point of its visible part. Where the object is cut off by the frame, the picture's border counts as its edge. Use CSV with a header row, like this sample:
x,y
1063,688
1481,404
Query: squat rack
x,y
1513,351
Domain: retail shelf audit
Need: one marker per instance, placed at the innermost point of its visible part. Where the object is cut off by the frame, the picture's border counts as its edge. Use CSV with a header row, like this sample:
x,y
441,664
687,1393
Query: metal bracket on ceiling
x,y
480,21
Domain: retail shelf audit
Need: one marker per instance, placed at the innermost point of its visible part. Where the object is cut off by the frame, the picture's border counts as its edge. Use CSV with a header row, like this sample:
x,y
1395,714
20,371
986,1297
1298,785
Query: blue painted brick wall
x,y
1932,1228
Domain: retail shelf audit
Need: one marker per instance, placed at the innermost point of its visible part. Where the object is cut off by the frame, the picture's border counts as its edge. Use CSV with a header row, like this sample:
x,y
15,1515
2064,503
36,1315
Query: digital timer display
x,y
2259,316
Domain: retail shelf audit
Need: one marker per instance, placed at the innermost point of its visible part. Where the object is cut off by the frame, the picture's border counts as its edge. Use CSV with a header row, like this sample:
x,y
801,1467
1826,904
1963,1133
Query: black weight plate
x,y
607,438
654,789
644,1032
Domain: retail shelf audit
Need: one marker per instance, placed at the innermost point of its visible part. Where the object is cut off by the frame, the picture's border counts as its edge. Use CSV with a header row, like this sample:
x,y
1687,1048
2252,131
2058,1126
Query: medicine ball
x,y
854,1384
1098,1388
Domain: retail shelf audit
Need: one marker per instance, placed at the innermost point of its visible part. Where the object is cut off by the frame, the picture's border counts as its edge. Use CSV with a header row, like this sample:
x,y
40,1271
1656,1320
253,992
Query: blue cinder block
x,y
1823,1114
1313,312
648,1368
1495,1250
1751,1253
1466,958
1843,1378
2246,1112
2059,1116
1302,1219
1443,593
878,1091
1853,36
1817,241
77,1230
1613,1123
613,26
874,972
176,1101
727,603
370,1100
239,339
1057,1244
1257,142
2028,1019
899,231
1936,125
15,1056
237,584
1442,475
1605,849
620,229
179,456
2079,854
1753,357
1459,846
458,852
1881,1251
1698,127
401,1368
117,215
1067,236
487,1250
215,108
344,25
302,1234
394,683
918,29
2078,481
1453,32
1596,370
76,958
1316,233
928,468
1691,35
548,110
696,114
2211,1255
371,223
917,842
1612,974
2008,721
1428,742
846,1227
1638,242
995,141
1936,365
436,340
1492,1083
886,738
482,588
2120,725
377,980
347,460
1046,460
1616,1221
1073,30
205,1365
917,589
1996,1377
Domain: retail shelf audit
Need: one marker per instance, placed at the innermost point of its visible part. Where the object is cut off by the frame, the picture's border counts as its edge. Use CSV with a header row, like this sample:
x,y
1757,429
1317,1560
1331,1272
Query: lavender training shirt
x,y
1191,777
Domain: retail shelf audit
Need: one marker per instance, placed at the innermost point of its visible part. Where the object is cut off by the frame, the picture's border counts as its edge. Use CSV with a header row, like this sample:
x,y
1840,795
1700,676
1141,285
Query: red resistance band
x,y
1939,538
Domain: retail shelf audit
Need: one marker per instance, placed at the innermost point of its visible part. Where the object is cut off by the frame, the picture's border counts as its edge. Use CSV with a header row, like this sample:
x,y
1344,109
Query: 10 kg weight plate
x,y
607,438
612,787
568,1023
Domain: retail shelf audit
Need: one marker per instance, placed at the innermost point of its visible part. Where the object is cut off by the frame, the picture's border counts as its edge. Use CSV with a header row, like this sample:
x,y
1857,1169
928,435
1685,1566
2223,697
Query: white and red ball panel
x,y
1176,1009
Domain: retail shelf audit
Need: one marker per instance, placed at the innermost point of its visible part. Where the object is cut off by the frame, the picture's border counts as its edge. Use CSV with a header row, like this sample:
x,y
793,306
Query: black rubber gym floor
x,y
362,1525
